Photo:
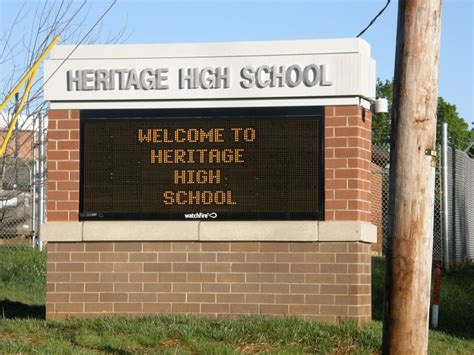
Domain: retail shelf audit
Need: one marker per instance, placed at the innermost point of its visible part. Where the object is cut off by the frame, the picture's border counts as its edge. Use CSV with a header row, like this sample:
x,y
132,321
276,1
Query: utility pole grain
x,y
409,255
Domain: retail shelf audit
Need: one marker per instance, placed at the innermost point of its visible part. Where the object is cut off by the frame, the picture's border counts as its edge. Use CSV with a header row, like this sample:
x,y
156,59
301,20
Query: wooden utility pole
x,y
412,177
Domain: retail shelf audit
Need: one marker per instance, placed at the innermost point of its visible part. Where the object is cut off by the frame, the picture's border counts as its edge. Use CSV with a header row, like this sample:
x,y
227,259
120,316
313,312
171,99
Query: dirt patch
x,y
254,348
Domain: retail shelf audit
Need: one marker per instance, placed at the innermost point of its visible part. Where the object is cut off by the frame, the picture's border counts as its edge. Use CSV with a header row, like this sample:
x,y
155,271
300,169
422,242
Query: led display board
x,y
213,164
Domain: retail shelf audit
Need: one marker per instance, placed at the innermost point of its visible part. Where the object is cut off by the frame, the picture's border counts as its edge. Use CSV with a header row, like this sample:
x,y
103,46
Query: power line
x,y
77,45
374,19
80,42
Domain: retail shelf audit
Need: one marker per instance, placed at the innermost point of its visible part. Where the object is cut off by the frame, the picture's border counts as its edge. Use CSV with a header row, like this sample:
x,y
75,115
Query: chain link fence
x,y
460,207
380,194
20,184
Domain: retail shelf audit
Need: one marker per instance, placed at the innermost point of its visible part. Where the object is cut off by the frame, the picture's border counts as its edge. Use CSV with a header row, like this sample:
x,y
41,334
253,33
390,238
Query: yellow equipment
x,y
30,77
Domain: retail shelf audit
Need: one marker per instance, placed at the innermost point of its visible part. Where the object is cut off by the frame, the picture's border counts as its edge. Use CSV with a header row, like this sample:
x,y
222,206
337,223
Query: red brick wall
x,y
25,139
323,281
347,163
63,165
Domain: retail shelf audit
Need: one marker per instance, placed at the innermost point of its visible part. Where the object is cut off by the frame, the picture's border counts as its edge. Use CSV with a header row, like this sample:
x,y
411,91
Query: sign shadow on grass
x,y
11,309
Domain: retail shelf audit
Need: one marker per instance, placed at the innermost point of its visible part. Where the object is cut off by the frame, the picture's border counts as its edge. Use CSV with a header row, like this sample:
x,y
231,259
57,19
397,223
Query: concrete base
x,y
328,231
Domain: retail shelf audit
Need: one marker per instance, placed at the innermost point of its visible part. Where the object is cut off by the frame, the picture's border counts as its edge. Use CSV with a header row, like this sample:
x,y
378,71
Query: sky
x,y
179,21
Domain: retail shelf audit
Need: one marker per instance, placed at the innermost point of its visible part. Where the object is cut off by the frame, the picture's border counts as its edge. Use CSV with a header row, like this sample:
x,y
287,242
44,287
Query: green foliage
x,y
381,121
458,130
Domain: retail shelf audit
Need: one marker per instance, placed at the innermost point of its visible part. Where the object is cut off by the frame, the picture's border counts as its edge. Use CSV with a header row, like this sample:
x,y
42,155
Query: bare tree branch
x,y
29,32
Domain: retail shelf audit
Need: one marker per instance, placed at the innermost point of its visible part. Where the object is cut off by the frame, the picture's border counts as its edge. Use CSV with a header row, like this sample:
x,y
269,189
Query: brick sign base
x,y
327,281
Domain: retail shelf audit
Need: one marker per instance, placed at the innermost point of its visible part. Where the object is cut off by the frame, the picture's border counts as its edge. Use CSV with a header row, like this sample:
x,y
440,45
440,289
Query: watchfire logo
x,y
200,215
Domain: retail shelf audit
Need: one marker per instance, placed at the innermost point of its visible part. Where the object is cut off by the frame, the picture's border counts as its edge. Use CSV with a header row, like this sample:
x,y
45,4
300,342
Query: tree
x,y
31,30
458,129
381,121
22,41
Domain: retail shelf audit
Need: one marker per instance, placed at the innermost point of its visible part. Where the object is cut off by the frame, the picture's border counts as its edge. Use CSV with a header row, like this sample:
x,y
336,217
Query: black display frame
x,y
316,112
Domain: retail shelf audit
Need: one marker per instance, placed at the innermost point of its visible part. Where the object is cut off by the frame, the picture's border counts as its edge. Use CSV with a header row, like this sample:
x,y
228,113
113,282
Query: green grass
x,y
23,275
456,308
456,314
181,334
187,334
22,288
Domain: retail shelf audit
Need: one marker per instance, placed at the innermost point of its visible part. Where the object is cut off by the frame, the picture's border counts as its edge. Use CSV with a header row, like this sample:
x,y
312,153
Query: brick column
x,y
63,165
347,163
